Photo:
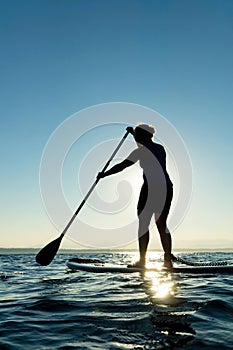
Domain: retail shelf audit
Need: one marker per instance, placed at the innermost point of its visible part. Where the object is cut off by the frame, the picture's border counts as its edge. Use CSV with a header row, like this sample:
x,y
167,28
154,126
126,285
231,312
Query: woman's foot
x,y
167,261
167,264
140,263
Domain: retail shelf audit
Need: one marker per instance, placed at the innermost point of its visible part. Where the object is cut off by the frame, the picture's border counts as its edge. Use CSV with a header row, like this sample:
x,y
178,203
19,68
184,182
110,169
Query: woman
x,y
156,192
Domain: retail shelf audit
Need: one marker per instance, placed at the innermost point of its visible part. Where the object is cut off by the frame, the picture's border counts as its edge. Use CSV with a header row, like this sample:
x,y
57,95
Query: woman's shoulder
x,y
134,156
158,147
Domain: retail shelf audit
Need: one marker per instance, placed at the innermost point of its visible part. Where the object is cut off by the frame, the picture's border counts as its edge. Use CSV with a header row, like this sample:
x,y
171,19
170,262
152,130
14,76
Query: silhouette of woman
x,y
156,193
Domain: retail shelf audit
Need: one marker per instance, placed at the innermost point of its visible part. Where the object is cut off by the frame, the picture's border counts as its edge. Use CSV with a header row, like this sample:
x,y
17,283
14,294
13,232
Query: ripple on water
x,y
51,308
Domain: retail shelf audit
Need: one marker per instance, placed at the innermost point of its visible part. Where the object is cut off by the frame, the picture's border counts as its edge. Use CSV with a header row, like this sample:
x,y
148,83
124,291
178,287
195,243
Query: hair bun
x,y
149,128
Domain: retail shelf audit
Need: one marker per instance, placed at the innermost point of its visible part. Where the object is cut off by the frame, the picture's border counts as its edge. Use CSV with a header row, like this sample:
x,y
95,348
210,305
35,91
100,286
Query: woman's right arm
x,y
116,169
130,160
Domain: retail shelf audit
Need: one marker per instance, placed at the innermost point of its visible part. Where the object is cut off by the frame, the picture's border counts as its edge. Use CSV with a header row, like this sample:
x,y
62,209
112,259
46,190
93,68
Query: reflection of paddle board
x,y
97,266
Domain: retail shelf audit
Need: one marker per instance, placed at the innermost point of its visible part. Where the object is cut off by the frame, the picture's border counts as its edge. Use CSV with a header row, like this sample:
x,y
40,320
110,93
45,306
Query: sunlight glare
x,y
161,287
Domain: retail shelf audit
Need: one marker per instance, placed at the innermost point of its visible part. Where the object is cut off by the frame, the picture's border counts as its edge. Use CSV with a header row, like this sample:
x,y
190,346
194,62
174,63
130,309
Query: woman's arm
x,y
116,168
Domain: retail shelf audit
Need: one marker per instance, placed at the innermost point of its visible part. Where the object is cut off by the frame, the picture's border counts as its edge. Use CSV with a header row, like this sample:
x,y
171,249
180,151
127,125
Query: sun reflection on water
x,y
160,286
169,307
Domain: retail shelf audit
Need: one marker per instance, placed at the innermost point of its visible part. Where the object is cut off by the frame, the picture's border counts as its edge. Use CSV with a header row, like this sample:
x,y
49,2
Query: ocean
x,y
54,308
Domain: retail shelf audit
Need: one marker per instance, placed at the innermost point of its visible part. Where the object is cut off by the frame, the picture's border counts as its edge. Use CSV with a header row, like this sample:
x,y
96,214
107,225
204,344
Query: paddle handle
x,y
94,184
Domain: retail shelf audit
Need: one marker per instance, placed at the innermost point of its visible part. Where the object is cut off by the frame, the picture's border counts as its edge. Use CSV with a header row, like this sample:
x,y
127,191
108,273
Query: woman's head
x,y
144,133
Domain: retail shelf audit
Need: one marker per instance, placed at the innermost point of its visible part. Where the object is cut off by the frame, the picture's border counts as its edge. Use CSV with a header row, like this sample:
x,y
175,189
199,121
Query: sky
x,y
60,57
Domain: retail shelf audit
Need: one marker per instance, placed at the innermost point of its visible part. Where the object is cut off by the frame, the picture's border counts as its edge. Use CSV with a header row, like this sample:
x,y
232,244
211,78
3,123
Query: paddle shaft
x,y
93,186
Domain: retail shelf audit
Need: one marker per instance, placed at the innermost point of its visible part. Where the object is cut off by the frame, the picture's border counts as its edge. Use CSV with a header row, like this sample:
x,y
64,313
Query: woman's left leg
x,y
165,236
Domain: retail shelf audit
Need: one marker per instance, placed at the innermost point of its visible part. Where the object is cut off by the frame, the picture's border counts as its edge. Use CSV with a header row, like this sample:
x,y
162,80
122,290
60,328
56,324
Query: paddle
x,y
47,254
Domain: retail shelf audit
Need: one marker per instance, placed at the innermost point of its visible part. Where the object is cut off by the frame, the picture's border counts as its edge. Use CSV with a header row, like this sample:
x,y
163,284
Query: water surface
x,y
54,308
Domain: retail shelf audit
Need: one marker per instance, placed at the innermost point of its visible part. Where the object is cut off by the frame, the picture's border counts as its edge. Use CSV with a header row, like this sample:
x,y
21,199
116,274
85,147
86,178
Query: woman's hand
x,y
130,130
100,175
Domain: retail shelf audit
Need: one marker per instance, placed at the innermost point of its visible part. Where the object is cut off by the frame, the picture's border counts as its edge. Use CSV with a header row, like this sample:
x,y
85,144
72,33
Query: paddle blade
x,y
47,254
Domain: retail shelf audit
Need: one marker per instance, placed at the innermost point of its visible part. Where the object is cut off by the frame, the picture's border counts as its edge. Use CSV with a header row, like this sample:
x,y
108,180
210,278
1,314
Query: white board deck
x,y
105,267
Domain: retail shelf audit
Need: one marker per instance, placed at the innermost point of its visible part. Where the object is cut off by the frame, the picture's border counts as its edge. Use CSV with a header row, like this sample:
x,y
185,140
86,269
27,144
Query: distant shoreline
x,y
93,251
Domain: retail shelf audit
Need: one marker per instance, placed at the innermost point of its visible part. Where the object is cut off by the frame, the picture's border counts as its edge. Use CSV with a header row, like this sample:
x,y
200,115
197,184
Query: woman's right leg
x,y
165,236
161,222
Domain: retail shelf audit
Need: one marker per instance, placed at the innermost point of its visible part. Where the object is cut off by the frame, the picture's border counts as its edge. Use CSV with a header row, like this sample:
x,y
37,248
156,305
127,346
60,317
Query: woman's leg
x,y
143,240
143,236
144,218
166,240
165,236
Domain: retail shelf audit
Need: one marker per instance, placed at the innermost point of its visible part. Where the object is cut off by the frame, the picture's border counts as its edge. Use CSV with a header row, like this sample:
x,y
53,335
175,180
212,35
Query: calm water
x,y
53,308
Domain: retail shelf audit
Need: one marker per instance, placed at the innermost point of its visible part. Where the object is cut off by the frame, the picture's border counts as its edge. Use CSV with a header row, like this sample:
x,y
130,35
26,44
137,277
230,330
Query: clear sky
x,y
59,57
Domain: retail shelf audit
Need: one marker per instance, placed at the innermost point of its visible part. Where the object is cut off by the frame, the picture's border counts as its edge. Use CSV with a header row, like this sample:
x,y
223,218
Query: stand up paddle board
x,y
99,267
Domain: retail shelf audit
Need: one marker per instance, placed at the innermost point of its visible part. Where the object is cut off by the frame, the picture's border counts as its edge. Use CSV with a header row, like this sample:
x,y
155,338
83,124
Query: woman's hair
x,y
145,131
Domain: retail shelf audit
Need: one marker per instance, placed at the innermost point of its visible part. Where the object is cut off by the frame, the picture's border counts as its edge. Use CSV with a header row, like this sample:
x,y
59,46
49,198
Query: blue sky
x,y
58,57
